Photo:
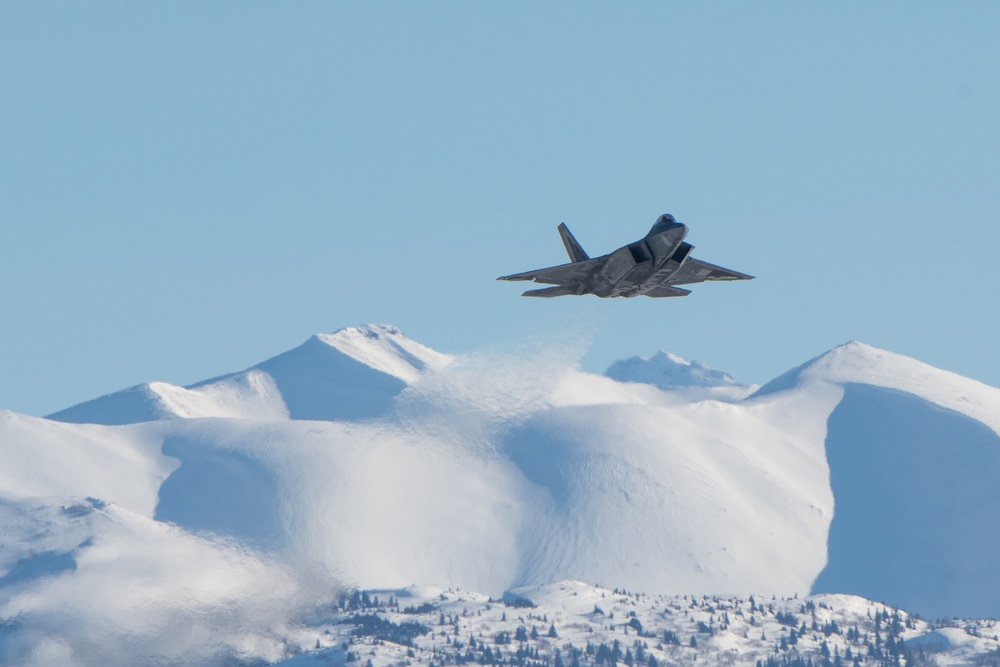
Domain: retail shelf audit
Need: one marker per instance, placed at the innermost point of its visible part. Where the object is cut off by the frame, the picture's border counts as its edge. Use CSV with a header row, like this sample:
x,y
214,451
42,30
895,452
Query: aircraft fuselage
x,y
638,267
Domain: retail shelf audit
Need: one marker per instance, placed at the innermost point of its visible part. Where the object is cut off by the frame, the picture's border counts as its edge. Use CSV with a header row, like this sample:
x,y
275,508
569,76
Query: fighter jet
x,y
651,266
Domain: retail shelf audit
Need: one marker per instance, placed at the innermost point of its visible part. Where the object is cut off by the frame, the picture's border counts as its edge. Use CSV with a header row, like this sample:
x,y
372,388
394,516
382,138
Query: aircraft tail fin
x,y
558,290
573,248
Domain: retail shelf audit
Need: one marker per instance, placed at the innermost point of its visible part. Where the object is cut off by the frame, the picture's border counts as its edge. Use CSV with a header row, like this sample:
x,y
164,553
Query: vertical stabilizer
x,y
573,249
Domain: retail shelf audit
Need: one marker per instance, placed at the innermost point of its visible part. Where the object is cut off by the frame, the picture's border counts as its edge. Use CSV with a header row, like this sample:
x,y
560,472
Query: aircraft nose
x,y
666,223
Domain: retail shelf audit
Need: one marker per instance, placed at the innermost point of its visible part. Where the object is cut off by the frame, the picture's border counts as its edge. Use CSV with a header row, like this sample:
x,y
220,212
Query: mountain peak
x,y
668,371
858,363
385,349
352,373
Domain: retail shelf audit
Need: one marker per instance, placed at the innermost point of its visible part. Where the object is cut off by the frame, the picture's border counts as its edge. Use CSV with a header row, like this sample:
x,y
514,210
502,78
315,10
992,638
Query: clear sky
x,y
188,188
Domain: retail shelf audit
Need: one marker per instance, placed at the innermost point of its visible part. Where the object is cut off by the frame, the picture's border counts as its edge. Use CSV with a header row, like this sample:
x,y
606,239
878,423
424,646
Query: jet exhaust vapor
x,y
651,266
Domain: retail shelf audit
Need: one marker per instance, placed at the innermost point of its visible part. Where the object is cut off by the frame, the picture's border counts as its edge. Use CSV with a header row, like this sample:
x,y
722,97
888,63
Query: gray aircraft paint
x,y
651,266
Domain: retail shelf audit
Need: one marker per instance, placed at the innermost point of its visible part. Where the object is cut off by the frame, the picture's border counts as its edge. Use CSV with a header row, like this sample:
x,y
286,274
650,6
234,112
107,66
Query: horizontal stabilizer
x,y
664,291
558,290
573,247
696,271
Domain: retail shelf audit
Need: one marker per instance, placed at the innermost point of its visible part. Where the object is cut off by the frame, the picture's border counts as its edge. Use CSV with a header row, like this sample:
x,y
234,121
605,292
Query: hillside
x,y
363,459
913,454
570,623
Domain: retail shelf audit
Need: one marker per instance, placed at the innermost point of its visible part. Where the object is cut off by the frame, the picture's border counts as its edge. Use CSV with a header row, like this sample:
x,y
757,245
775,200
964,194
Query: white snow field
x,y
209,523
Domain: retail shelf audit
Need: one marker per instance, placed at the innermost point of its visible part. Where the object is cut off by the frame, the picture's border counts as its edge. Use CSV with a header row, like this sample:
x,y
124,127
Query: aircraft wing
x,y
697,271
565,274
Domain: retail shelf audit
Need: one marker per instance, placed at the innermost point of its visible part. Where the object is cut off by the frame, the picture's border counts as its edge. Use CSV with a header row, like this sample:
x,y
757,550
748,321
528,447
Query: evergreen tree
x,y
640,653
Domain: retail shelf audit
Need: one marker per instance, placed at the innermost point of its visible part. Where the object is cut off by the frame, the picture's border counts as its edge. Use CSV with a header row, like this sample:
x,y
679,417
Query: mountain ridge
x,y
377,361
502,471
858,363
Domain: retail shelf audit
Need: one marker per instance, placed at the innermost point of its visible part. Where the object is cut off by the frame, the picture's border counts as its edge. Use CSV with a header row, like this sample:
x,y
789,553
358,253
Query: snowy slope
x,y
570,622
690,497
245,395
857,363
914,453
508,472
860,472
42,458
353,373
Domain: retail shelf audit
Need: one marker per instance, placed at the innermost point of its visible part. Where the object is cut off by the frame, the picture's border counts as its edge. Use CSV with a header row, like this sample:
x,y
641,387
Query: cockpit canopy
x,y
665,223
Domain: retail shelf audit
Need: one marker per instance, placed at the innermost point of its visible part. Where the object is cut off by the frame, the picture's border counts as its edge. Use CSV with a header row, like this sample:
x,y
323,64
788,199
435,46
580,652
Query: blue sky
x,y
189,188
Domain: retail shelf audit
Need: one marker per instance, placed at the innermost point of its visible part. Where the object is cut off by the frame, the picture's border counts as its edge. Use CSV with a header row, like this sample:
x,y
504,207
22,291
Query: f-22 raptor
x,y
652,266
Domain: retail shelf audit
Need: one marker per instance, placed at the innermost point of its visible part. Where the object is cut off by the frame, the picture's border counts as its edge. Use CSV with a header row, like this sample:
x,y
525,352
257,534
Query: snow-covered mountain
x,y
364,459
354,373
673,373
913,453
